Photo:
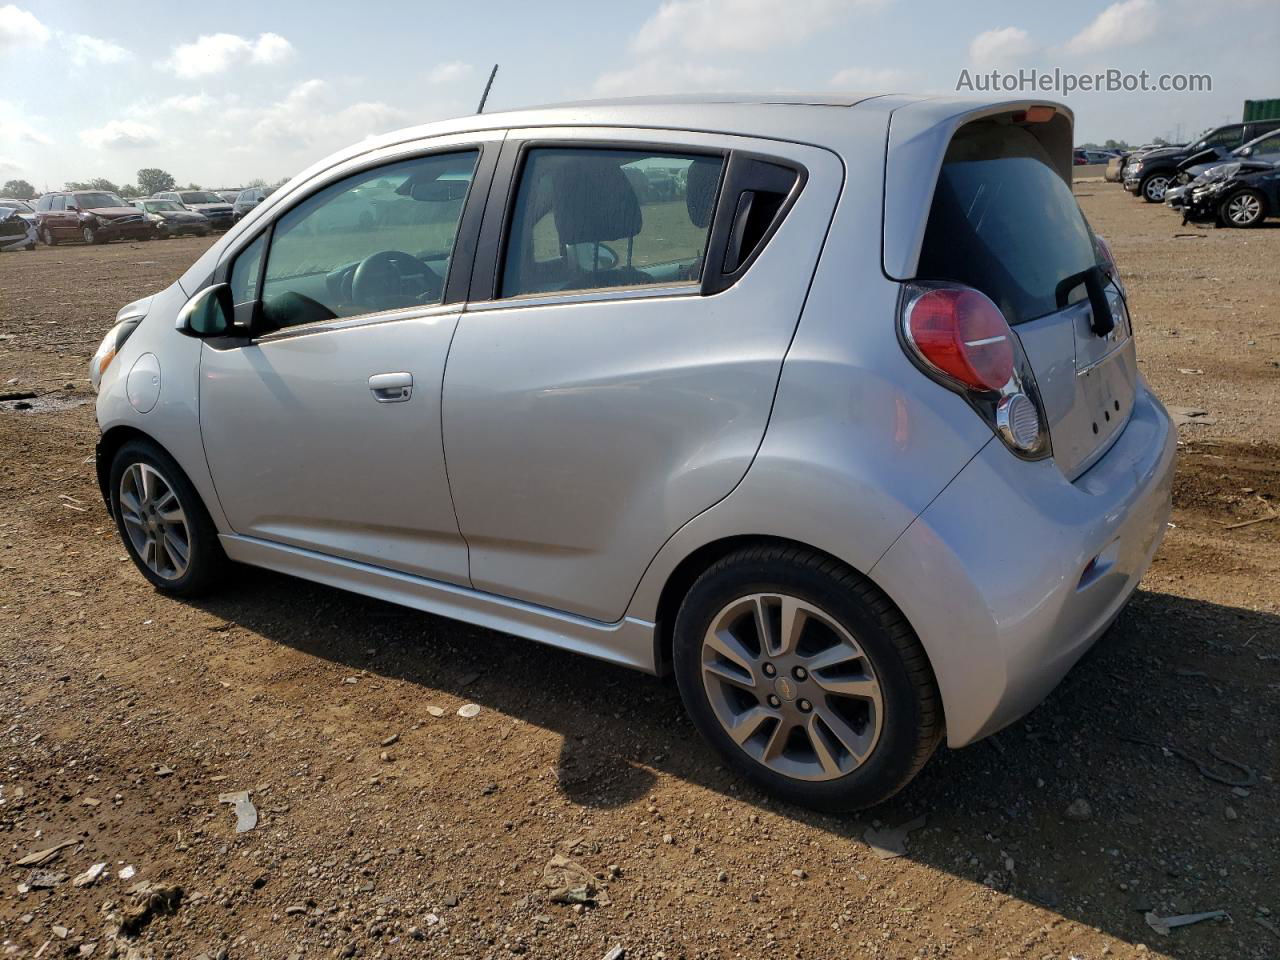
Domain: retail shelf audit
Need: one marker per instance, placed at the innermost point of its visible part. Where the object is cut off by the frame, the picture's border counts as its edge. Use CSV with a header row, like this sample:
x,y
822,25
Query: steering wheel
x,y
393,278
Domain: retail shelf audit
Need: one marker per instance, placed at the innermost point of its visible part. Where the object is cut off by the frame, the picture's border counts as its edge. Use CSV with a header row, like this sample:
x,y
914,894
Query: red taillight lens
x,y
963,335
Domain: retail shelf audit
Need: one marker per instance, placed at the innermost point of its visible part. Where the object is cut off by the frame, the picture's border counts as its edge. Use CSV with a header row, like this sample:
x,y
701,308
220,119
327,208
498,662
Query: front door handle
x,y
391,387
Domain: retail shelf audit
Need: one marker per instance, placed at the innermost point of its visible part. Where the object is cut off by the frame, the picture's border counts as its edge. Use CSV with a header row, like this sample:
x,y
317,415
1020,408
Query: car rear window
x,y
1004,222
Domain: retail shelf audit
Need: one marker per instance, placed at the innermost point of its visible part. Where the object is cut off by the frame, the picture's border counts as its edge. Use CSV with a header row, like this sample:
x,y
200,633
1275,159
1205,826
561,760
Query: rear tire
x,y
47,237
1244,208
1152,187
163,523
89,236
839,718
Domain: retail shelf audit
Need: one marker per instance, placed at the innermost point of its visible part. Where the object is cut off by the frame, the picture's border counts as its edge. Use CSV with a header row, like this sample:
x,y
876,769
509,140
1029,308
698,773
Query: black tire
x,y
90,235
207,563
1147,186
912,722
46,235
1256,213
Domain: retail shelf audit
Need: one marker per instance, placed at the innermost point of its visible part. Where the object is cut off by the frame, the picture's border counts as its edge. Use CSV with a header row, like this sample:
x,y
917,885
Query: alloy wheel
x,y
155,521
1244,209
1156,187
791,686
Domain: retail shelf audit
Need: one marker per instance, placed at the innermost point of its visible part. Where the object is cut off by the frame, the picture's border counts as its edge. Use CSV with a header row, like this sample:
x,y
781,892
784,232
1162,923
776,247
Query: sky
x,y
221,93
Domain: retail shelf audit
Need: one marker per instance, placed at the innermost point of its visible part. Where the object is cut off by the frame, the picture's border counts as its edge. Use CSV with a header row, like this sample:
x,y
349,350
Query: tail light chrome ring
x,y
1018,421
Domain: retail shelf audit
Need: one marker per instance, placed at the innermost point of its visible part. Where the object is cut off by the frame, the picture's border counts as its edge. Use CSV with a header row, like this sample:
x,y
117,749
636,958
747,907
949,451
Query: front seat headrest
x,y
594,202
700,190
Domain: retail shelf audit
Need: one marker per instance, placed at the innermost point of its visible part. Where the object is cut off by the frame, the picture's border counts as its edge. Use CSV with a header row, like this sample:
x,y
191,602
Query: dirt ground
x,y
385,830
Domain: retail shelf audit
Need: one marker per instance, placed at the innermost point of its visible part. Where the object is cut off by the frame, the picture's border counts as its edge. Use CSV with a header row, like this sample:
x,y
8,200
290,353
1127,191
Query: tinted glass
x,y
1230,137
589,219
245,271
91,201
1004,222
59,203
200,196
379,240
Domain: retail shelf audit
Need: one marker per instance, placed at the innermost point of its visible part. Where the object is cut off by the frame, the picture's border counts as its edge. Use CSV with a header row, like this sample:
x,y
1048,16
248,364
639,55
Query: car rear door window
x,y
590,219
1004,222
379,240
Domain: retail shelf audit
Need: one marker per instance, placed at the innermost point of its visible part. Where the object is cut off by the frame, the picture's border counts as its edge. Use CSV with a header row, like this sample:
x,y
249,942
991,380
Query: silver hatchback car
x,y
827,406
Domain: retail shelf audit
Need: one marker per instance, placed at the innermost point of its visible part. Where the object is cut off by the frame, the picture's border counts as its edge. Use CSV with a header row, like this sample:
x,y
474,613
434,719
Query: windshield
x,y
199,196
154,206
93,201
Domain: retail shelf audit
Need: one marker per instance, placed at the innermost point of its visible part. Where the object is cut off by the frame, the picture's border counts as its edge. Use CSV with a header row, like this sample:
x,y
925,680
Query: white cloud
x,y
450,72
1002,46
85,50
216,52
658,76
703,25
1128,21
21,28
310,114
874,79
121,135
178,103
22,128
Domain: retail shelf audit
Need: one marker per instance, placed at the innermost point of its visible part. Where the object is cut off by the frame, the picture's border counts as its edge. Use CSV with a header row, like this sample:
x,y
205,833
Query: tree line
x,y
151,180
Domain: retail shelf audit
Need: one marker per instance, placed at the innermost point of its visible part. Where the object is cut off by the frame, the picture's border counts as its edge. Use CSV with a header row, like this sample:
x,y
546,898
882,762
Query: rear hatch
x,y
1004,221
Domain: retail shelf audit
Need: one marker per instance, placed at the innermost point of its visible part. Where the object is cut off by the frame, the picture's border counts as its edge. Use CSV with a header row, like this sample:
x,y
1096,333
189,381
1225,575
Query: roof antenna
x,y
487,87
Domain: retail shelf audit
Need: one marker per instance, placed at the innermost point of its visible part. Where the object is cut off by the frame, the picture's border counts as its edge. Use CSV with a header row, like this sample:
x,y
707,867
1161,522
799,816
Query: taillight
x,y
963,335
959,337
1108,259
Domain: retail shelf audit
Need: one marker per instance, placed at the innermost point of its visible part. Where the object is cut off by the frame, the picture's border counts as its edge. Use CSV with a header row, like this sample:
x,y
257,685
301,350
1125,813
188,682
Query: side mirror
x,y
207,314
1246,151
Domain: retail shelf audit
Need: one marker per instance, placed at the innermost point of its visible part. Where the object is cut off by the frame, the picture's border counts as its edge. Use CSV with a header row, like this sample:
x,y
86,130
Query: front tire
x,y
806,678
164,526
1153,186
1244,208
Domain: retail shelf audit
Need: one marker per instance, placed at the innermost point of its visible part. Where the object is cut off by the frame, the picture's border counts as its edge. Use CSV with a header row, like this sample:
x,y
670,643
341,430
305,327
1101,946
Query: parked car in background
x,y
652,457
172,219
228,196
1082,157
247,199
1264,149
1239,194
1150,175
220,214
17,225
94,216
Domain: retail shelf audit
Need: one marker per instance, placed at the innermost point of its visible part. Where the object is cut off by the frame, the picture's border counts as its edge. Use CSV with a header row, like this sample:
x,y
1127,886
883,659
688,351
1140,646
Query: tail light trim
x,y
1004,408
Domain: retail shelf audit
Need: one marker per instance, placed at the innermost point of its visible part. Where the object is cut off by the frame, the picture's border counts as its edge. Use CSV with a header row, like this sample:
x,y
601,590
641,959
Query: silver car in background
x,y
827,406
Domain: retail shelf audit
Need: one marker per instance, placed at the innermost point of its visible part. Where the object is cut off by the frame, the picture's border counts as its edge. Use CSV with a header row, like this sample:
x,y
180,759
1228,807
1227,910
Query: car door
x,y
321,425
63,223
604,386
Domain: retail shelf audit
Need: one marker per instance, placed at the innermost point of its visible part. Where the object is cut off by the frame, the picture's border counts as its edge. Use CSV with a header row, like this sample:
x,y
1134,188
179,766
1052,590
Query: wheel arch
x,y
694,564
108,445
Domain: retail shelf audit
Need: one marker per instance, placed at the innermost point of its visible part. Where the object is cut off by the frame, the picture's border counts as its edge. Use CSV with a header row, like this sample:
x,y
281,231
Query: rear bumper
x,y
1013,572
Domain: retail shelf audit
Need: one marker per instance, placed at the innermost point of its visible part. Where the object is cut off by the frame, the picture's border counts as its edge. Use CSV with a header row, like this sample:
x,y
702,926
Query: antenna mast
x,y
487,87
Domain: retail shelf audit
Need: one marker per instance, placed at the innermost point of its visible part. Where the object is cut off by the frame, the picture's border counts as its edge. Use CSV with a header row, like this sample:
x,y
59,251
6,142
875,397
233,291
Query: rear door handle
x,y
391,387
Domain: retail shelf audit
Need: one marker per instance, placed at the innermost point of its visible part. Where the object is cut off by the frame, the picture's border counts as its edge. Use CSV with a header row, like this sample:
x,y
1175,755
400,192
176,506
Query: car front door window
x,y
379,240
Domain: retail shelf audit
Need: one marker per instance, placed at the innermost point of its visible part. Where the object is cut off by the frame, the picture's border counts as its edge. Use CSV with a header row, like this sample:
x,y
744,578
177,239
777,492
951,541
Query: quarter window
x,y
380,240
587,219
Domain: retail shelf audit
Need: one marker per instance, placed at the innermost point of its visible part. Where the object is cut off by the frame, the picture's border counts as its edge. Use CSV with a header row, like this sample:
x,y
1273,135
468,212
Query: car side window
x,y
588,219
59,203
379,240
246,270
44,204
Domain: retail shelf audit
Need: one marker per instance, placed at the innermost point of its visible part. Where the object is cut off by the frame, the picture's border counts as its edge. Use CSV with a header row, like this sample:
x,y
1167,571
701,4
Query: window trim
x,y
460,262
499,219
